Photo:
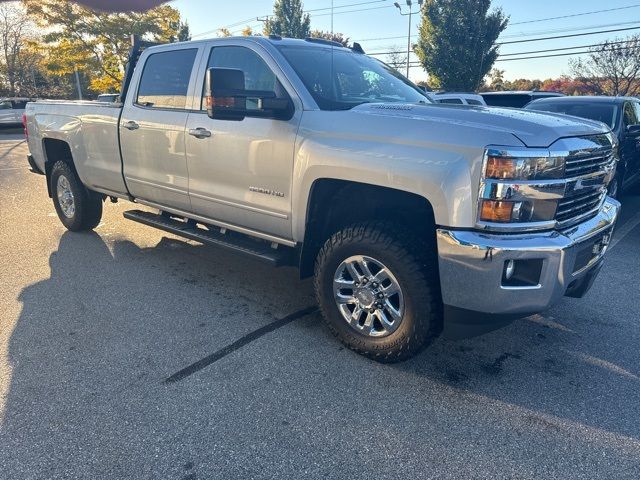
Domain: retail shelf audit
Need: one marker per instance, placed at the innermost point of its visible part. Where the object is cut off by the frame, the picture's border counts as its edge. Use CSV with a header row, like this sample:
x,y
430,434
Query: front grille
x,y
576,206
587,163
585,173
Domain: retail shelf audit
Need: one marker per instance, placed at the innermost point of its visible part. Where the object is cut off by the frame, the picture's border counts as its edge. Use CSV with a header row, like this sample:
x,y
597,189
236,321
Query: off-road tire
x,y
88,204
413,262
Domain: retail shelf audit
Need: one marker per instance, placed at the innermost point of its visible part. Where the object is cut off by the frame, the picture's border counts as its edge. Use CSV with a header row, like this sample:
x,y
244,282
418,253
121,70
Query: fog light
x,y
509,269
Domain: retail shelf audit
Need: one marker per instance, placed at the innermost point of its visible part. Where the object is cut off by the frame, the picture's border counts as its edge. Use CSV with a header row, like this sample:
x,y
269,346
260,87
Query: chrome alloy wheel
x,y
368,296
65,197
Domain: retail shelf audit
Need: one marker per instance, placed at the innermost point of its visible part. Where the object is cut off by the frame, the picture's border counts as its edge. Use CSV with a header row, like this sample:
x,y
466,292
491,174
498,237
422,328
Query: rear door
x,y
241,172
152,128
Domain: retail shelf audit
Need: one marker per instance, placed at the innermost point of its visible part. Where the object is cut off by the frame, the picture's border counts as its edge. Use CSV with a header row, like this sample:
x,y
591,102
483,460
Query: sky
x,y
372,22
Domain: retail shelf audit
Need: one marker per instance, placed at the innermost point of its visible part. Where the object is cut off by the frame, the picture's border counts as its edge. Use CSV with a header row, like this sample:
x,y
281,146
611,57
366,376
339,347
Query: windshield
x,y
339,79
602,112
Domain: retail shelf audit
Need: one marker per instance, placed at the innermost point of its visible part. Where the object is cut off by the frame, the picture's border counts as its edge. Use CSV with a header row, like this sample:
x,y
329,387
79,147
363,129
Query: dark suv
x,y
515,99
621,114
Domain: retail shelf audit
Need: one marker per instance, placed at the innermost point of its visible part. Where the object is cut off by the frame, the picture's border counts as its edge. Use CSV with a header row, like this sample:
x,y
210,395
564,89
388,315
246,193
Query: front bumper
x,y
472,265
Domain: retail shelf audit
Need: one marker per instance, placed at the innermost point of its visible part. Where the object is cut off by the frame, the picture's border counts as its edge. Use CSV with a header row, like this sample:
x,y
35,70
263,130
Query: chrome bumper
x,y
472,264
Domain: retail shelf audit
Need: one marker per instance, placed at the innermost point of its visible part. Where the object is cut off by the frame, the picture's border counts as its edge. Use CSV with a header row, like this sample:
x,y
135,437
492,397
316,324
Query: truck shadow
x,y
112,322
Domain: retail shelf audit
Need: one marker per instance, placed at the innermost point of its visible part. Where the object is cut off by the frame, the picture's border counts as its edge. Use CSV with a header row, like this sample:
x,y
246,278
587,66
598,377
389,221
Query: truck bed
x,y
91,131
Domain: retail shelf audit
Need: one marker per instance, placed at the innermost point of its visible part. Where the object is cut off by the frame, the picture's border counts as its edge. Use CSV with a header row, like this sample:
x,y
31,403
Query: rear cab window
x,y
164,82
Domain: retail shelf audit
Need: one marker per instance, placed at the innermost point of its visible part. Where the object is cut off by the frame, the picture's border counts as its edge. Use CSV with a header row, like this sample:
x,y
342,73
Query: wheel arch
x,y
333,204
54,150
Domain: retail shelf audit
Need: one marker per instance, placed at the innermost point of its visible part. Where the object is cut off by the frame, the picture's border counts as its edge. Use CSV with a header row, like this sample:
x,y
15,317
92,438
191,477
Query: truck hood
x,y
534,129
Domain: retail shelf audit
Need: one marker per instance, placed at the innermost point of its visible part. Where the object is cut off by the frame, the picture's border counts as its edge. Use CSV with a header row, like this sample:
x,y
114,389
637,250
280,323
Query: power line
x,y
570,29
561,49
352,11
344,5
575,15
519,54
585,52
621,48
567,36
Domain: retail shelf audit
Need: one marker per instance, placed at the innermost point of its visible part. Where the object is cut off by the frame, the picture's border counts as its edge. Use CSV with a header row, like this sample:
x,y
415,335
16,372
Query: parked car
x,y
620,114
458,98
515,99
11,110
411,216
108,97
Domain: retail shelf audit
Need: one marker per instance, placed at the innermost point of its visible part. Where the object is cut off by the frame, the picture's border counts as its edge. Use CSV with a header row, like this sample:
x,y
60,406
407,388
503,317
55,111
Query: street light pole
x,y
410,5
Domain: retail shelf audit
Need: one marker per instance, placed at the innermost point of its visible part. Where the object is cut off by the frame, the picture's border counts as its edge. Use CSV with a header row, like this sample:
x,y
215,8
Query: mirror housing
x,y
226,98
633,131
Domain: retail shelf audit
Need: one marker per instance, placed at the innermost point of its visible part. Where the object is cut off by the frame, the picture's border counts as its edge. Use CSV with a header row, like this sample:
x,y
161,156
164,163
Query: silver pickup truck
x,y
414,218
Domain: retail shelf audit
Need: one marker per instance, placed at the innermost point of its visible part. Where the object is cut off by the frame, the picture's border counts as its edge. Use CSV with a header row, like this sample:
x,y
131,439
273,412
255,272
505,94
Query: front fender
x,y
443,178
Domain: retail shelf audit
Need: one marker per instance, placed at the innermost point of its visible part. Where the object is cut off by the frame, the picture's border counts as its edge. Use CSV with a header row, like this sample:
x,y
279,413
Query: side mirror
x,y
633,131
227,99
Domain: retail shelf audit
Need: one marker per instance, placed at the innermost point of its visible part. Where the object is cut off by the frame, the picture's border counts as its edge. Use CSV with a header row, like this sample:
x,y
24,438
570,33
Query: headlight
x,y
510,165
518,186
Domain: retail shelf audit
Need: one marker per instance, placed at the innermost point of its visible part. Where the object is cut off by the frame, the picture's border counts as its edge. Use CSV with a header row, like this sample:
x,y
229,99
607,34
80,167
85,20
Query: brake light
x,y
24,125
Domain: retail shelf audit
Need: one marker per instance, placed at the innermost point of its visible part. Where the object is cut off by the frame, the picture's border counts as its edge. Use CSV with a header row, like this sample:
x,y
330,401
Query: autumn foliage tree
x,y
97,43
612,68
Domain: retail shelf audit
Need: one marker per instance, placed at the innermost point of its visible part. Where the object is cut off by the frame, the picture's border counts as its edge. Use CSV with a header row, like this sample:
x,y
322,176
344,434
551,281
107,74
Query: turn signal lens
x,y
496,211
500,168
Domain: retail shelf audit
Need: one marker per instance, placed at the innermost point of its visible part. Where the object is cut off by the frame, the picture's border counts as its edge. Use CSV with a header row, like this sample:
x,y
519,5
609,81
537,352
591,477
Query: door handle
x,y
199,132
131,125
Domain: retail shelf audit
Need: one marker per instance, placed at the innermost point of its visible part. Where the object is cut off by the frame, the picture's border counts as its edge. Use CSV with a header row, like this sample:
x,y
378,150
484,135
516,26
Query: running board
x,y
233,241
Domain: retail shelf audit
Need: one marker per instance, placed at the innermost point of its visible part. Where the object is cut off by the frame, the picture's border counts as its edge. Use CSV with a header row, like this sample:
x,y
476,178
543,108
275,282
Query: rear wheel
x,y
78,208
378,290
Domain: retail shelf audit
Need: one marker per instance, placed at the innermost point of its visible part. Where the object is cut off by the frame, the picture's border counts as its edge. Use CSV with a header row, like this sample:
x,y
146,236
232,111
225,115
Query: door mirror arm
x,y
633,131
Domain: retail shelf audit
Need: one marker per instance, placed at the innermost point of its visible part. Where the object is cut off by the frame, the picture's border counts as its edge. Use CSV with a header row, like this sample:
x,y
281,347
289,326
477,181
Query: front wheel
x,y
378,291
78,208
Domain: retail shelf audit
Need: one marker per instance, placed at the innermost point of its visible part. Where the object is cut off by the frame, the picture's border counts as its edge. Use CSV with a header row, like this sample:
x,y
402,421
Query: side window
x,y
19,104
455,101
5,105
630,115
257,74
636,107
165,79
473,101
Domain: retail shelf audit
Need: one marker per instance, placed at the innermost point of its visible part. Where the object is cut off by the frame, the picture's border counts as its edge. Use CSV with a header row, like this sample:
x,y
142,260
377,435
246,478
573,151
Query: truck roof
x,y
270,40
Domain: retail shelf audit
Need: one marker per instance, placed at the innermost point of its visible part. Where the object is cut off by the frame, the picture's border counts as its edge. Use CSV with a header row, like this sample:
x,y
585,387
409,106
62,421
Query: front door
x,y
240,171
152,130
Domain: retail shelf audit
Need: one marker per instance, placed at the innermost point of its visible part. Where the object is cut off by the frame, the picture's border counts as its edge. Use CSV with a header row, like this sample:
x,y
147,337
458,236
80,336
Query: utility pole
x,y
75,70
410,14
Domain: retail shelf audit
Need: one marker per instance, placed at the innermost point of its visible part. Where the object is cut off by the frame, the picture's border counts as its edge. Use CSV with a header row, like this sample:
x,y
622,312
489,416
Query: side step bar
x,y
233,241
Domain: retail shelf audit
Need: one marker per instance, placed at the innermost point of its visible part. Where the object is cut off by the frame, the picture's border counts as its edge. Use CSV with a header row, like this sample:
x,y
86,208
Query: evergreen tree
x,y
288,20
457,42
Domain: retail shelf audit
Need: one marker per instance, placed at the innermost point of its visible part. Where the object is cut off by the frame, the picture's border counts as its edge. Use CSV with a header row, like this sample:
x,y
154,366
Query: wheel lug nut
x,y
381,295
374,284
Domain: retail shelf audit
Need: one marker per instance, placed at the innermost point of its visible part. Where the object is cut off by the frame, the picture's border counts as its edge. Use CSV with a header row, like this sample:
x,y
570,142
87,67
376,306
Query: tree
x,y
335,37
397,58
612,68
457,42
95,42
17,62
184,32
288,20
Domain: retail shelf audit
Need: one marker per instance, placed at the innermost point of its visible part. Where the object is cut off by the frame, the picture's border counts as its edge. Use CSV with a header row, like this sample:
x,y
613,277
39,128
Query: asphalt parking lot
x,y
129,353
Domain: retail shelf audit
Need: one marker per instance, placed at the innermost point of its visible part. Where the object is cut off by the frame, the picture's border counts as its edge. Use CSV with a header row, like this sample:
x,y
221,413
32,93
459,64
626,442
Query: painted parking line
x,y
250,337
